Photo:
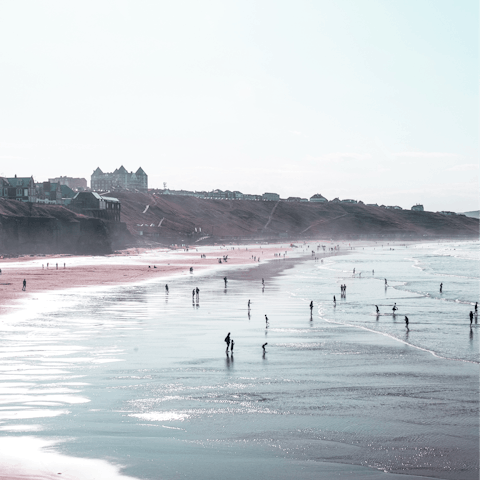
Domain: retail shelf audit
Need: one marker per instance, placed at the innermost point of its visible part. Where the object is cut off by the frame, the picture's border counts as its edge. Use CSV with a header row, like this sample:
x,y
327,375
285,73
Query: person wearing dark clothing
x,y
232,345
406,321
311,306
378,311
395,308
263,346
441,287
225,280
24,285
227,340
471,317
166,288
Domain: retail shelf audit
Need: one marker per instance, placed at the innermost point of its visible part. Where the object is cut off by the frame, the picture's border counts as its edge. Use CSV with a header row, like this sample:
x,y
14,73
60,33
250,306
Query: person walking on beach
x,y
406,322
263,282
471,315
311,306
385,282
225,280
193,294
378,311
394,309
354,271
197,291
441,287
266,320
263,346
248,304
476,303
166,287
25,287
231,346
334,301
227,341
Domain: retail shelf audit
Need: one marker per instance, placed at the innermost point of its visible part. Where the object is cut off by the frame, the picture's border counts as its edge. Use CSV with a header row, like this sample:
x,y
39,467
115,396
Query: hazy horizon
x,y
371,100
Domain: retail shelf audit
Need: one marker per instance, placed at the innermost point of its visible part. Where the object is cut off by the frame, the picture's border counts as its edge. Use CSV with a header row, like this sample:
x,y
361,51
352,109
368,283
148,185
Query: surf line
x,y
401,341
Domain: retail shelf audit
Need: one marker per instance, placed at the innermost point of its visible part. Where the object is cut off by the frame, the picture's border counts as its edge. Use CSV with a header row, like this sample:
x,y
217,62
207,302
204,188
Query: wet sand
x,y
48,273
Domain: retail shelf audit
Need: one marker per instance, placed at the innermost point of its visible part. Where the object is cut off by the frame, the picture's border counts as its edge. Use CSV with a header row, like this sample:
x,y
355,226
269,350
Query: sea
x,y
135,382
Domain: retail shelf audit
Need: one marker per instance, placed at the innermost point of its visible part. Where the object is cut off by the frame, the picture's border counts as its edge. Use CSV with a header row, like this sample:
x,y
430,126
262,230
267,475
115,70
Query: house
x,y
270,197
95,205
335,200
77,184
48,192
446,212
120,179
418,208
18,188
318,198
293,199
348,200
372,205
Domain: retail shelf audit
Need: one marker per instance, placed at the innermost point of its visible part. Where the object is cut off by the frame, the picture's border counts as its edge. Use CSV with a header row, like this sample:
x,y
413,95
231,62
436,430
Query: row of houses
x,y
25,189
236,195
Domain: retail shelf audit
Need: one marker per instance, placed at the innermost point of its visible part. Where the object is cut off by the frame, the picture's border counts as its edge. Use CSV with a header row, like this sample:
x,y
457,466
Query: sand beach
x,y
108,376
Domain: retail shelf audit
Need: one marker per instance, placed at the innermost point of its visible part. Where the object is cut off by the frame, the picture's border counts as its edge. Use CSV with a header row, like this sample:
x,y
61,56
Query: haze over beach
x,y
239,239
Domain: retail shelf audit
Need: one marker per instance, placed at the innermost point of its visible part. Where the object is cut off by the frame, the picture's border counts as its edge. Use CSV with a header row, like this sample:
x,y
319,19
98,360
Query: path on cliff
x,y
323,221
271,215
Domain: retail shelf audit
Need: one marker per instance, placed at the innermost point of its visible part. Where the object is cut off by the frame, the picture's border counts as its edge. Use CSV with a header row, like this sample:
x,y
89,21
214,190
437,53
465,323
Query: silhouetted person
x,y
166,288
471,313
263,346
476,303
197,291
25,287
406,321
441,287
193,293
227,340
191,269
231,346
334,299
385,282
263,282
378,311
248,303
225,280
373,272
354,271
266,319
311,306
394,309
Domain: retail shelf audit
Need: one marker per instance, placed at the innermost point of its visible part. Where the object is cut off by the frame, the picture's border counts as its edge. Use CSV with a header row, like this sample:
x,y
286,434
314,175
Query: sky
x,y
375,100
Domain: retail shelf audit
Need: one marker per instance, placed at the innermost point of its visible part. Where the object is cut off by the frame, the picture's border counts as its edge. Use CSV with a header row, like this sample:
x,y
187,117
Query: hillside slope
x,y
222,219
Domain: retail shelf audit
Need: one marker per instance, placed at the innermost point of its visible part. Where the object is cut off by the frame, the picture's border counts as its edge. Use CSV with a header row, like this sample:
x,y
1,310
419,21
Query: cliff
x,y
222,220
27,228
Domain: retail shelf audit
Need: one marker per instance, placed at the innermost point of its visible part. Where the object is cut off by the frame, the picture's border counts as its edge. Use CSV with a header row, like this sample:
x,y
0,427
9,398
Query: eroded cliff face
x,y
31,229
179,216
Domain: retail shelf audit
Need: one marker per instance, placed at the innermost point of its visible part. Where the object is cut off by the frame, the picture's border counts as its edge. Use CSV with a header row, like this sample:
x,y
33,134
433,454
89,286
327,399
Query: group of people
x,y
343,290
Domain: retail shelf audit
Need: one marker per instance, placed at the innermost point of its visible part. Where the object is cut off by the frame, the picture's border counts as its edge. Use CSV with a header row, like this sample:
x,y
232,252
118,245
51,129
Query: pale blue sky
x,y
374,100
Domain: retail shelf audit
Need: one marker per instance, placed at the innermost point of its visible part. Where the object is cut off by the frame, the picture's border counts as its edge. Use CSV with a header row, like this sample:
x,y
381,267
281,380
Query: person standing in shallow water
x,y
471,317
25,287
227,341
225,280
406,322
166,288
441,287
378,310
232,345
311,306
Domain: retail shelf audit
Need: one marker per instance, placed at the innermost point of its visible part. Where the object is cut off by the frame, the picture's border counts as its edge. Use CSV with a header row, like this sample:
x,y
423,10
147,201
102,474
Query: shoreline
x,y
46,273
53,273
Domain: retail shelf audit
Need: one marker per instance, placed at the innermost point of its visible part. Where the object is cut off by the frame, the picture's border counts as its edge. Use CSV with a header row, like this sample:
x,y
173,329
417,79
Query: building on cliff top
x,y
76,184
18,188
53,193
120,179
94,205
418,208
318,198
